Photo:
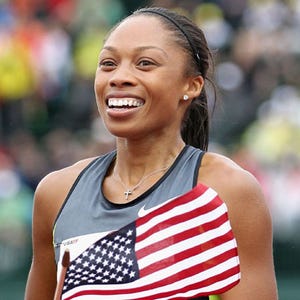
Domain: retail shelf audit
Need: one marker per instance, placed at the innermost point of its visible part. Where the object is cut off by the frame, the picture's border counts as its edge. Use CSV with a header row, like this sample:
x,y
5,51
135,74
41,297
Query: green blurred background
x,y
48,118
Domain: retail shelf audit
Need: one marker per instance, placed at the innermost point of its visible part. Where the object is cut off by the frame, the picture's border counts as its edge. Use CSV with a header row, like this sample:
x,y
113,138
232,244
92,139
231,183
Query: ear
x,y
194,86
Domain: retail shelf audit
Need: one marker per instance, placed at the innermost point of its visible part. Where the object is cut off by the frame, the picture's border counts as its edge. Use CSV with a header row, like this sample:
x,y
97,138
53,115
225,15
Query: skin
x,y
150,67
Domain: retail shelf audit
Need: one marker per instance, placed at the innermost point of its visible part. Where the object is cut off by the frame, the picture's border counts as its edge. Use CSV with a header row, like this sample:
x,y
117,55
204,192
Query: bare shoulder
x,y
233,183
239,189
54,187
63,177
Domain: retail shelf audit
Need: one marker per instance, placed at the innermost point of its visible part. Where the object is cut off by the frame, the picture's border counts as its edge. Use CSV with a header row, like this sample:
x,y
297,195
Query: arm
x,y
49,197
251,223
42,276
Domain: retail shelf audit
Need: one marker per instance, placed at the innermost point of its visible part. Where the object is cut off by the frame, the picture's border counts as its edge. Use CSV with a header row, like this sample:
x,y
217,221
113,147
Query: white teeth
x,y
118,102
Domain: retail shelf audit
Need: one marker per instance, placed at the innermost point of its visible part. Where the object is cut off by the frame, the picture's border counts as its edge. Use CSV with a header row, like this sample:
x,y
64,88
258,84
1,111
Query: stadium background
x,y
48,118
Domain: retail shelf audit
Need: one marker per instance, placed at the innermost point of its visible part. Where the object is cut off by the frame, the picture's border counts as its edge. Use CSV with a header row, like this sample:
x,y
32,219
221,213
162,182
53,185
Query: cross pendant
x,y
127,193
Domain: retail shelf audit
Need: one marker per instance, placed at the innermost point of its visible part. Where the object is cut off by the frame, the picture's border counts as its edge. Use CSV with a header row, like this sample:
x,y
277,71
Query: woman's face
x,y
140,80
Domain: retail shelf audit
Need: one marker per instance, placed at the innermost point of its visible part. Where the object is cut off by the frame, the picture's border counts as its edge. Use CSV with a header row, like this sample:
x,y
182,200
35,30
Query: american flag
x,y
181,249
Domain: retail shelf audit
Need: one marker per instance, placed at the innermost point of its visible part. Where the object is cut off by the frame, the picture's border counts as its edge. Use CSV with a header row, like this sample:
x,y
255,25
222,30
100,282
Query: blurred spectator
x,y
29,159
15,217
48,116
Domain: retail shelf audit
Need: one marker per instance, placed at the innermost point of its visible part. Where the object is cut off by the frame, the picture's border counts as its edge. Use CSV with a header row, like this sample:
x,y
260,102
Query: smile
x,y
124,102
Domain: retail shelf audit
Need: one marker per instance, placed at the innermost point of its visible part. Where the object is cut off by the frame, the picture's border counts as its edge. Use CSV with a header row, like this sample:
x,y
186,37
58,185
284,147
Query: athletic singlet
x,y
98,234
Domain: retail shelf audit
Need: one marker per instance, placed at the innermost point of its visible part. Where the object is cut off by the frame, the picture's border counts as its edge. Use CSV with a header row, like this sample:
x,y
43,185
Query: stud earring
x,y
185,97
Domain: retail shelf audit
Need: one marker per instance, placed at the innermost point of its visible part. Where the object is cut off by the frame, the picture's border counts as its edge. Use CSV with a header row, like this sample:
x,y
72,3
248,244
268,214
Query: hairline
x,y
176,40
140,48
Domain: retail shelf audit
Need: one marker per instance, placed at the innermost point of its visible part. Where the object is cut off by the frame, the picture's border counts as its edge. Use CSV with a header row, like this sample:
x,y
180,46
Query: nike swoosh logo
x,y
143,212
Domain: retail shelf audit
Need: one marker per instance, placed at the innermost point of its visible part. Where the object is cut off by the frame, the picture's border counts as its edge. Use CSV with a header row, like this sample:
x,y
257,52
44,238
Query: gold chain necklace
x,y
129,191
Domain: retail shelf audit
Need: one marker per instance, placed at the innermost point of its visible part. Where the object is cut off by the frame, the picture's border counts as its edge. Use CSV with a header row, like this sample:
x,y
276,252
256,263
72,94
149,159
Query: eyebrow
x,y
138,49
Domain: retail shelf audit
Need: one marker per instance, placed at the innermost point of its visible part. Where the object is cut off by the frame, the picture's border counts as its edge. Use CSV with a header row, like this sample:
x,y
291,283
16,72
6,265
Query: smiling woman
x,y
160,217
134,69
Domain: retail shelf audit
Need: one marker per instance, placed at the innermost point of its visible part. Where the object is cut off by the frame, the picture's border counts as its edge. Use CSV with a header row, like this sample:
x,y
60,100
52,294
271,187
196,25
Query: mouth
x,y
124,103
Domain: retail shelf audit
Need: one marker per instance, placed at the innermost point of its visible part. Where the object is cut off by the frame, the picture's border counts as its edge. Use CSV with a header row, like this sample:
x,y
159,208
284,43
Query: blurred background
x,y
48,117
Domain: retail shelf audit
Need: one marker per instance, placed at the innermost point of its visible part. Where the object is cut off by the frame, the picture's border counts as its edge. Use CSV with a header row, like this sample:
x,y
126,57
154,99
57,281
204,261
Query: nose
x,y
122,76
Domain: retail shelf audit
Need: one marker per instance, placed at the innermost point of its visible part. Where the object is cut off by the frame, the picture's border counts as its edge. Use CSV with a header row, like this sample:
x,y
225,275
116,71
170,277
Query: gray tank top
x,y
86,210
143,248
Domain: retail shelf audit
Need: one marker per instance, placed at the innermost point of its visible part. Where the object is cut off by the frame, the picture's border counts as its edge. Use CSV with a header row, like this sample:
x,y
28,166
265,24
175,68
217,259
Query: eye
x,y
145,63
107,64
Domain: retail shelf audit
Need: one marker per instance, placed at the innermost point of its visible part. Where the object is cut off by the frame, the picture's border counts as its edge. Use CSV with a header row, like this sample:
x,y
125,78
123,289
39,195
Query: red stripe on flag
x,y
198,285
185,216
192,287
167,241
161,264
196,192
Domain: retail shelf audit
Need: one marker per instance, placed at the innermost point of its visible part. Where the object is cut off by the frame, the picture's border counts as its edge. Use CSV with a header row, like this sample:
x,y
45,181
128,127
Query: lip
x,y
122,112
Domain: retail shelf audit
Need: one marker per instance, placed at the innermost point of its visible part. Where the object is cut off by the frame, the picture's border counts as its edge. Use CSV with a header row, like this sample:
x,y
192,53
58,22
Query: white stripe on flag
x,y
177,210
173,286
185,244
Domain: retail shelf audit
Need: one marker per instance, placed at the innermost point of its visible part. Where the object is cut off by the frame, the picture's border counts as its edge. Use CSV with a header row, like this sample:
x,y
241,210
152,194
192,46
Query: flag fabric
x,y
181,249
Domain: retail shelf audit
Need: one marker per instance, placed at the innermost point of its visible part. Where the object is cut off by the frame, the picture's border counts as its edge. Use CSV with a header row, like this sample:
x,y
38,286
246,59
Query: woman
x,y
149,220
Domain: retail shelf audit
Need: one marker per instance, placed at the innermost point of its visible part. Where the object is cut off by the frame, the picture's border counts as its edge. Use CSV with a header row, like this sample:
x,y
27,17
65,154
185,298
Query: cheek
x,y
97,86
168,94
98,89
165,105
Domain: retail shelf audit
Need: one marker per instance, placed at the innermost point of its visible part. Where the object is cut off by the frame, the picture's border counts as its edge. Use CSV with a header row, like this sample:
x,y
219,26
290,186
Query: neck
x,y
135,159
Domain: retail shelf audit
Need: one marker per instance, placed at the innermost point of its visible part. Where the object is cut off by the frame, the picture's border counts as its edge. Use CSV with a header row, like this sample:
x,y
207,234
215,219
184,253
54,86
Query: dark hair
x,y
195,123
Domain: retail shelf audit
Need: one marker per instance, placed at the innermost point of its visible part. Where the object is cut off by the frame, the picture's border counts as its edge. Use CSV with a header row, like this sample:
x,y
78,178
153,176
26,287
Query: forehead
x,y
142,30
